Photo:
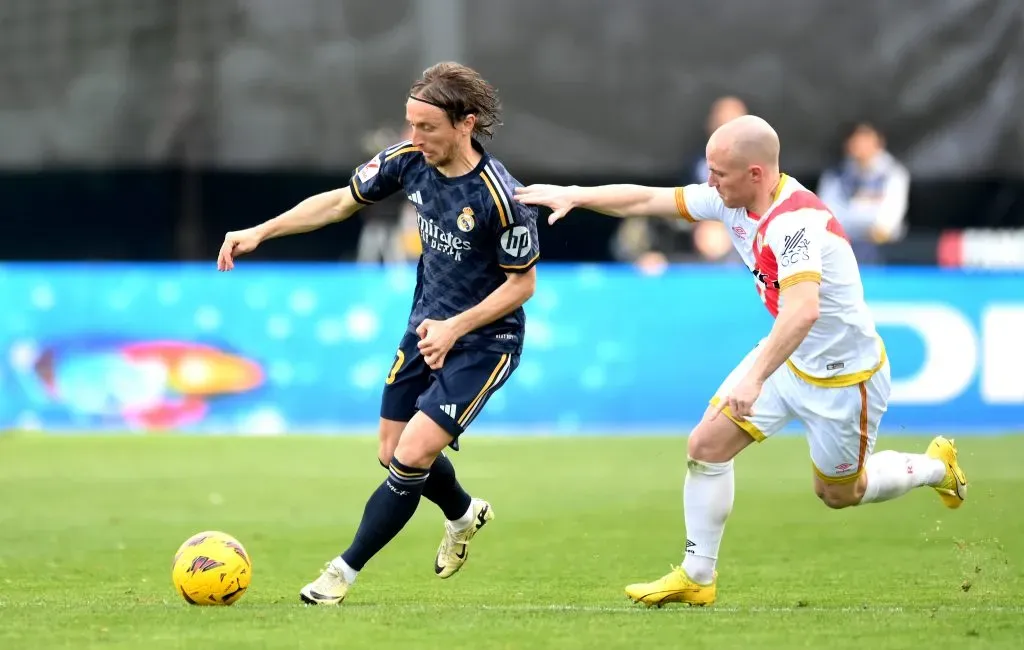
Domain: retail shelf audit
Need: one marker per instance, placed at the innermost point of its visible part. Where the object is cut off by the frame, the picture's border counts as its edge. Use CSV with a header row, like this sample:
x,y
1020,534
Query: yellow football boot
x,y
676,587
454,549
329,589
953,489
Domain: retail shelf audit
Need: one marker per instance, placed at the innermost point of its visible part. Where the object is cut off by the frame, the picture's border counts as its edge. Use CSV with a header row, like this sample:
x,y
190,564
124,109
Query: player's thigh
x,y
461,388
421,442
842,427
406,380
719,439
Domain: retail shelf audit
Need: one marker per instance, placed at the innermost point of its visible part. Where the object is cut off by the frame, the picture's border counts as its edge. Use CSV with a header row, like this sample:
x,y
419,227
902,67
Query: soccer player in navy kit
x,y
465,332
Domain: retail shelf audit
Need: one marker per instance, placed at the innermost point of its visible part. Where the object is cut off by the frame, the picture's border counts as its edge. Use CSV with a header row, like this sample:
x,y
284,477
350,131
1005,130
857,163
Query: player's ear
x,y
756,173
468,124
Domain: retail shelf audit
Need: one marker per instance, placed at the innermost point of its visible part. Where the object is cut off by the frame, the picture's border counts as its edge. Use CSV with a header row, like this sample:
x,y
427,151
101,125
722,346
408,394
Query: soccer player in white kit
x,y
823,363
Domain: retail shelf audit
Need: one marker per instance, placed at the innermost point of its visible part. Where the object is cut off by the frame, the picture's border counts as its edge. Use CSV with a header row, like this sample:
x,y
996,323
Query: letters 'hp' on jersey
x,y
798,239
473,233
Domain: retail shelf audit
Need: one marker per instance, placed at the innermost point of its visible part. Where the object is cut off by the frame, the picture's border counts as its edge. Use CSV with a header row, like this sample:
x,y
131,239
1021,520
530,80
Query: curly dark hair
x,y
460,92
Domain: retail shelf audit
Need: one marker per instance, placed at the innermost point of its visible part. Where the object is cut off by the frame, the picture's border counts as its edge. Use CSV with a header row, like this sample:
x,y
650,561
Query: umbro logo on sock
x,y
689,546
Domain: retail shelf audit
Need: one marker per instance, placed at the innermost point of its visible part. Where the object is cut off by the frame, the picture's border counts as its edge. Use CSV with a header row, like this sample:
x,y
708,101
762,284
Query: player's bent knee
x,y
708,468
834,501
838,497
421,442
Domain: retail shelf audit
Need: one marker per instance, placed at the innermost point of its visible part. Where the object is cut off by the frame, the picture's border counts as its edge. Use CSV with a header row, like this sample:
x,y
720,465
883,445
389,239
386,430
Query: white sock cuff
x,y
709,469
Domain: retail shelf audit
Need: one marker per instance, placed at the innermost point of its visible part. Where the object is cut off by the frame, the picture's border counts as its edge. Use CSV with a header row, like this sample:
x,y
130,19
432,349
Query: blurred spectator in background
x,y
724,109
390,232
710,239
652,243
867,191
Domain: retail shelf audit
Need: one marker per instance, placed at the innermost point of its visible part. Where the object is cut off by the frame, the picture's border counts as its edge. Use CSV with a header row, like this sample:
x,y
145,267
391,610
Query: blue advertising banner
x,y
306,348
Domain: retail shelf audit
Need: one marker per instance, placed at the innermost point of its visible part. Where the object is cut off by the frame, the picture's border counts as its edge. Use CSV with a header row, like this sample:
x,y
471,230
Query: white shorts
x,y
842,423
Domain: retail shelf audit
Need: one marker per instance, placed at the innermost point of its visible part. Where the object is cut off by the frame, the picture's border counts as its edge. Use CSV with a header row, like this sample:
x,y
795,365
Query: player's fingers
x,y
423,328
719,409
556,215
529,195
224,259
734,406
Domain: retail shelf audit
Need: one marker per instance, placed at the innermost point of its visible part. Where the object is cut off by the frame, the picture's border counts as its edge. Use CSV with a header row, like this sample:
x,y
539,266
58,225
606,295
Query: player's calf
x,y
887,475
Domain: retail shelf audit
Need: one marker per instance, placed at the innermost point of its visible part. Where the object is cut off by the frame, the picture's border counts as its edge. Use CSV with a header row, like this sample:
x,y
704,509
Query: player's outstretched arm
x,y
313,213
613,200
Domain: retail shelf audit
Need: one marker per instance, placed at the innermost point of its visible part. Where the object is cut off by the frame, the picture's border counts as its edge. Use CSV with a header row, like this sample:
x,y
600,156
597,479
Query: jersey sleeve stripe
x,y
684,212
400,152
395,147
500,368
519,267
497,201
797,278
502,192
356,194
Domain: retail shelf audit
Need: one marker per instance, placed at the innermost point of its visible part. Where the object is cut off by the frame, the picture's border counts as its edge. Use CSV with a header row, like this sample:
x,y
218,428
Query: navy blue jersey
x,y
473,233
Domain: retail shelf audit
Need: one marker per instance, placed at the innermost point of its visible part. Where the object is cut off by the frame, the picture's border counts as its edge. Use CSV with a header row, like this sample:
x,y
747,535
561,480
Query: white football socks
x,y
892,474
347,572
465,521
708,493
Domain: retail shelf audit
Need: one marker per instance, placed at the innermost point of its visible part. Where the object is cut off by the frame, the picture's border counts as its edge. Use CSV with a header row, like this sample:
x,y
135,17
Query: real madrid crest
x,y
465,220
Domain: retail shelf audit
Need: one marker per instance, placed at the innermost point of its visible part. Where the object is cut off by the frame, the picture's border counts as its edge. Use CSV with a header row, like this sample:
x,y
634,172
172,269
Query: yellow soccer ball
x,y
211,568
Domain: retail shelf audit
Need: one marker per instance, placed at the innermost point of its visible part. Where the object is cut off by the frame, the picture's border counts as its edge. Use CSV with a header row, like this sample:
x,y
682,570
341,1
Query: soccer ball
x,y
211,568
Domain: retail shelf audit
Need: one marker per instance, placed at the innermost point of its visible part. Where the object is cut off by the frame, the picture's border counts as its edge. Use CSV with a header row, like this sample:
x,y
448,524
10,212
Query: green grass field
x,y
88,527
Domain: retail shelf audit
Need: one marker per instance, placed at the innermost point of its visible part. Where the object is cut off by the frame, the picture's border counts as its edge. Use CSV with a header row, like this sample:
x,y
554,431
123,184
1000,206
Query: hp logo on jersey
x,y
516,241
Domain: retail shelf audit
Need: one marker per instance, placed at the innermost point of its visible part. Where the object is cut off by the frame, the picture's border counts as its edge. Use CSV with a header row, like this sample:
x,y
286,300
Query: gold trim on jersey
x,y
401,151
494,195
520,266
684,212
797,278
838,480
841,381
778,190
357,193
746,425
483,391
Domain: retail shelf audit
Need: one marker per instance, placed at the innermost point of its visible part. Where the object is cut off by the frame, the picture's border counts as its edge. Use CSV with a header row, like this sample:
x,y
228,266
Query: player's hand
x,y
741,398
436,338
237,243
558,198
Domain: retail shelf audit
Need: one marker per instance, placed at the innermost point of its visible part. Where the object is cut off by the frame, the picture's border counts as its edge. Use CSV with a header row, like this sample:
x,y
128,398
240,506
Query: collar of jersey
x,y
775,198
470,175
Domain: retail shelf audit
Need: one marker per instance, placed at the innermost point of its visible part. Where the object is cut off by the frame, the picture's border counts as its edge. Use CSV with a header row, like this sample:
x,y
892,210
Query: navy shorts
x,y
452,396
